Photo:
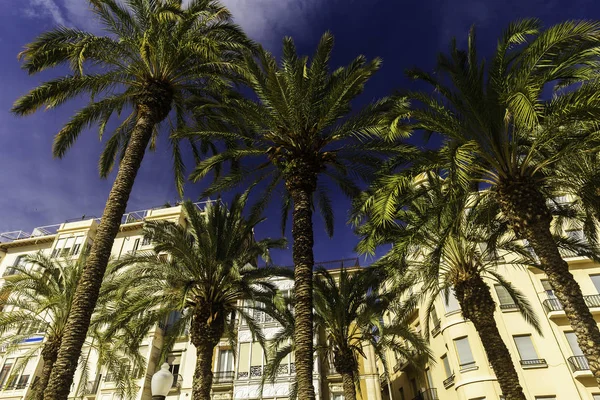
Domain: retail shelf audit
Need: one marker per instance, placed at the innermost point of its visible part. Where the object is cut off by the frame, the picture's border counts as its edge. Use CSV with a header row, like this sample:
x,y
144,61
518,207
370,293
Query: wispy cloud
x,y
45,9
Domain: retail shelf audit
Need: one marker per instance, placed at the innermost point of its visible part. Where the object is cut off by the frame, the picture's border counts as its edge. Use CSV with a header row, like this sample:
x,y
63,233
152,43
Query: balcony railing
x,y
449,381
436,329
256,371
177,381
383,379
552,305
533,362
427,394
591,301
221,377
510,306
579,363
91,387
468,366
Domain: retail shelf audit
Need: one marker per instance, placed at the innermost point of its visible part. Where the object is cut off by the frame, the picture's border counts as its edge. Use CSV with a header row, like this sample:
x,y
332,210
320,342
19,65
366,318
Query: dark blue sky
x,y
36,190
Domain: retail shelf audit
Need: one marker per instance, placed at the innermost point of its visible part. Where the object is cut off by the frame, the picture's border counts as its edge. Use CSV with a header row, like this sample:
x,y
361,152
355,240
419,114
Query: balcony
x,y
427,394
534,363
91,387
449,381
580,367
223,378
508,307
553,305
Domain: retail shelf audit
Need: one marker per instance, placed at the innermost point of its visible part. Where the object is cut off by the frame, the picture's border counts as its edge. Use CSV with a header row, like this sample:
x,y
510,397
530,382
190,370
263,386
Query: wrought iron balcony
x,y
592,301
223,377
579,363
537,362
427,394
449,381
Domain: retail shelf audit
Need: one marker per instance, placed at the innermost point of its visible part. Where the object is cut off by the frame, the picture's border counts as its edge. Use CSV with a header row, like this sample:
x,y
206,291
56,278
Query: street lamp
x,y
161,383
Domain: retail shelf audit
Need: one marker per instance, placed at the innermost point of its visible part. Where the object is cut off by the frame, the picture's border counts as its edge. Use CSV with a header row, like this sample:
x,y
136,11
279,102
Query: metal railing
x,y
535,361
468,366
578,363
552,305
130,217
91,387
223,377
592,301
383,379
436,329
177,380
449,381
509,306
427,394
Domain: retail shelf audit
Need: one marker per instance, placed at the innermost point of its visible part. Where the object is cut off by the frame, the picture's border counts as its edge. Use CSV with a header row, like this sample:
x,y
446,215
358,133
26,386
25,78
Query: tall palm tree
x,y
449,240
37,301
349,308
501,128
300,130
210,278
156,53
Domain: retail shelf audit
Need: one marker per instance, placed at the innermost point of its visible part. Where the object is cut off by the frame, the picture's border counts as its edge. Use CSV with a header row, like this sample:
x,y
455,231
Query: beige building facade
x,y
234,377
550,366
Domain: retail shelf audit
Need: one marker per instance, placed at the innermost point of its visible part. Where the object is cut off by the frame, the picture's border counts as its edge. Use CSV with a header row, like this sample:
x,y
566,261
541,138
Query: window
x,y
244,361
225,361
572,339
596,280
59,245
596,396
465,356
147,240
429,378
77,245
174,361
451,304
527,351
505,299
17,263
545,397
402,394
337,396
548,289
136,245
446,363
66,250
5,371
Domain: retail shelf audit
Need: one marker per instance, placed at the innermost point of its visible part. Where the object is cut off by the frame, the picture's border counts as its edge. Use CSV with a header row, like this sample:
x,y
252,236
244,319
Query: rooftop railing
x,y
130,217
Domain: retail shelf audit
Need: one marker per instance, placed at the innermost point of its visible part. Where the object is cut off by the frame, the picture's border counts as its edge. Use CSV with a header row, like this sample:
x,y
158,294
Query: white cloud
x,y
264,20
45,8
268,20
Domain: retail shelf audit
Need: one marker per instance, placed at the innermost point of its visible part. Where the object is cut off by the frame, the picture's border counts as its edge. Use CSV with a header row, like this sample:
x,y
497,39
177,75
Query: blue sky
x,y
36,190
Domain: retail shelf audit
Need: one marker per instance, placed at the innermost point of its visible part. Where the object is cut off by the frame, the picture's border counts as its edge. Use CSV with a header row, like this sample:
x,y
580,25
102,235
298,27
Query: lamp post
x,y
161,383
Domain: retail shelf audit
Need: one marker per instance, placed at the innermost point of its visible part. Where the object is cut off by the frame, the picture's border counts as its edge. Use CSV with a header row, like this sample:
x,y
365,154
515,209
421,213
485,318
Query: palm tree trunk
x,y
88,288
49,354
203,375
205,337
478,306
526,208
349,387
301,185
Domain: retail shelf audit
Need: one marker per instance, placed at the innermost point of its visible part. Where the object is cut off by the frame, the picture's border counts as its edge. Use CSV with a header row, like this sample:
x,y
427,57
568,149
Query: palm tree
x,y
501,129
300,130
450,240
38,300
210,278
349,308
156,54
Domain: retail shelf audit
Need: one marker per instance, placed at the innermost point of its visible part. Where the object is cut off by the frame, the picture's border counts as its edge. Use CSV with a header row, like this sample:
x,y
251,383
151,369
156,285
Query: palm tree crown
x,y
300,130
210,279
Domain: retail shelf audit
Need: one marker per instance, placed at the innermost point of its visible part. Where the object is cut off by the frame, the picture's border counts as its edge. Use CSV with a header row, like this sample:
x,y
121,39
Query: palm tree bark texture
x,y
301,183
478,306
526,209
205,335
49,354
86,295
345,366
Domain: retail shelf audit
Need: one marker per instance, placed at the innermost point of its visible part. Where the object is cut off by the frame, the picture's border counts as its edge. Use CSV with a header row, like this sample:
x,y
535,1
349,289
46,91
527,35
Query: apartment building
x,y
234,377
550,366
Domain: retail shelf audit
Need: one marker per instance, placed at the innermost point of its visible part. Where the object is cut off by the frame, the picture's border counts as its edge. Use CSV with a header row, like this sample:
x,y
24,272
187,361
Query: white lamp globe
x,y
162,381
